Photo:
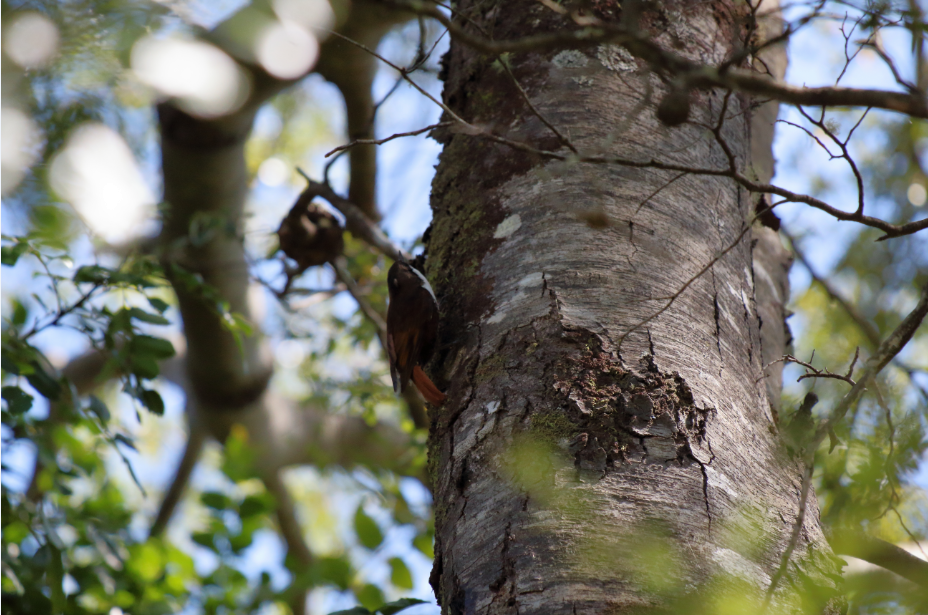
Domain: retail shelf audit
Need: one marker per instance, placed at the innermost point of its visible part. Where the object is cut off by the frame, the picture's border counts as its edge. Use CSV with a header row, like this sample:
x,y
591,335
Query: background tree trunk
x,y
598,455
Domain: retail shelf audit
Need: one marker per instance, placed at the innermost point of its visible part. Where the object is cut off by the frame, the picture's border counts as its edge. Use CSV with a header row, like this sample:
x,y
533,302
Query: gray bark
x,y
586,462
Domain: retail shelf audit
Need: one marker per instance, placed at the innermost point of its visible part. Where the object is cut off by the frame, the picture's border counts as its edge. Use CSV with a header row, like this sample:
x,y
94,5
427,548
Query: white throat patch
x,y
425,283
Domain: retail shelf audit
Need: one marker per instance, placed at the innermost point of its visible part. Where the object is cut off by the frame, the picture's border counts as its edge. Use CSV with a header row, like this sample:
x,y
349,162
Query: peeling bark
x,y
576,440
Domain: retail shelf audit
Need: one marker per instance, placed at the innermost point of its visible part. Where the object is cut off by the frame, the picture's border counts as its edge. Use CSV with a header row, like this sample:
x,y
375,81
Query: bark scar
x,y
705,493
507,572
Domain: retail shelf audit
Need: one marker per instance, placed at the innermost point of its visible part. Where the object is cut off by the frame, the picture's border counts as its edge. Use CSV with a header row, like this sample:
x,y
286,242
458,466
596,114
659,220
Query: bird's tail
x,y
428,389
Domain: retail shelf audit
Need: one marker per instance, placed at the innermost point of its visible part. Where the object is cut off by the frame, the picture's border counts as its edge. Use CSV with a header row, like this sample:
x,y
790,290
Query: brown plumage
x,y
412,330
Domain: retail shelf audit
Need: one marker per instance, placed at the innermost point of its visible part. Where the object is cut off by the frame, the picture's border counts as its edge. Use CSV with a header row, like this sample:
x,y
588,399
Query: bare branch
x,y
879,552
290,529
820,123
883,355
673,65
179,483
670,299
564,140
411,133
814,372
890,230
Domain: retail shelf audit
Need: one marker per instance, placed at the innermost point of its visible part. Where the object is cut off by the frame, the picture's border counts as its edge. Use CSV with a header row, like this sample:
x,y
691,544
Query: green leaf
x,y
19,313
144,367
240,542
398,605
215,500
152,400
92,274
142,315
145,562
15,532
99,408
370,596
355,610
17,400
156,347
369,534
399,573
43,383
9,365
11,254
425,543
158,304
334,570
204,539
238,323
244,538
257,504
239,459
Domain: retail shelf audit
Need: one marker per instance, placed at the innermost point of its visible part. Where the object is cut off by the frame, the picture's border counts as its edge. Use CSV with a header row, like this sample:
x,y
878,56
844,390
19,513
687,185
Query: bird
x,y
412,330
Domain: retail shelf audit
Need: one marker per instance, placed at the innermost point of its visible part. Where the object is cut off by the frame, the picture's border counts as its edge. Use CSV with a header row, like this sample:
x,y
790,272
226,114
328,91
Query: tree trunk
x,y
597,454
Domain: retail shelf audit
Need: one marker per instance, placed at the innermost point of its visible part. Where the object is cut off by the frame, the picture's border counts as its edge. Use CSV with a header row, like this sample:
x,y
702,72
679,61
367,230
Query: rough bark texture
x,y
569,451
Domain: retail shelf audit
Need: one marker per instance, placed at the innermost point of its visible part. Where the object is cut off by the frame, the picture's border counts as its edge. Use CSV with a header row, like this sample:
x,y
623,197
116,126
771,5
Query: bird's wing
x,y
391,353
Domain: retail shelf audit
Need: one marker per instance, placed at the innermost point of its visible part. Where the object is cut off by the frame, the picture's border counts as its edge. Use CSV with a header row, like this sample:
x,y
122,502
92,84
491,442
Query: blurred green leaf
x,y
145,561
204,539
99,408
43,383
144,367
399,573
334,570
17,400
424,542
370,596
158,304
92,274
215,500
148,317
152,400
257,504
10,254
369,534
148,346
399,605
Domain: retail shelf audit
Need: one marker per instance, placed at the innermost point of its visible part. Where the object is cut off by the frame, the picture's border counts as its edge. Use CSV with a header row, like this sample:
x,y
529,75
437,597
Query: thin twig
x,y
670,299
820,123
656,192
564,140
411,133
887,350
340,265
665,62
465,127
62,313
814,372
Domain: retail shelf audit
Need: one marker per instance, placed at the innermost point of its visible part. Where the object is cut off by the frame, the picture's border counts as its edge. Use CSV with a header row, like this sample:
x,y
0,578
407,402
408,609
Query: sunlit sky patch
x,y
97,173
